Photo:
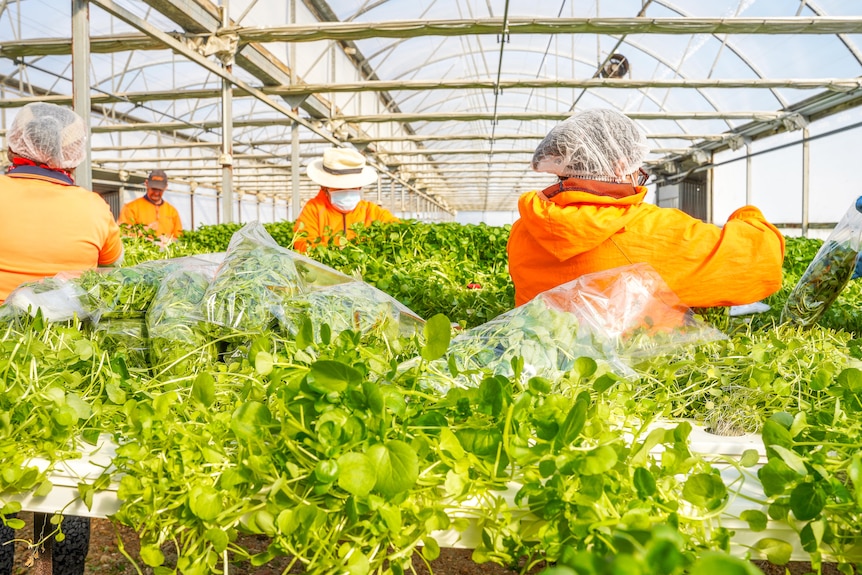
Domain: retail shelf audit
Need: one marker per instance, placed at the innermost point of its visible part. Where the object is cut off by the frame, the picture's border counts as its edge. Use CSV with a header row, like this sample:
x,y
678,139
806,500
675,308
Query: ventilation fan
x,y
617,66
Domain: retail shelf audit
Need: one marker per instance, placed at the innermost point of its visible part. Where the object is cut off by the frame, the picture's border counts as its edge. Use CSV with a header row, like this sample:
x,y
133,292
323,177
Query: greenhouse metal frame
x,y
447,109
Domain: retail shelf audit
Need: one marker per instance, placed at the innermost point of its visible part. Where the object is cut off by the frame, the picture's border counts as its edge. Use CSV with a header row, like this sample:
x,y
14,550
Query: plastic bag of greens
x,y
124,291
252,283
355,306
59,299
828,273
122,336
176,324
615,317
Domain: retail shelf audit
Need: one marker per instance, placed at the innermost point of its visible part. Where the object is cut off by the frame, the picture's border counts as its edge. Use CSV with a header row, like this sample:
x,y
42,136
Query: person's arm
x,y
307,225
177,224
127,215
111,252
737,264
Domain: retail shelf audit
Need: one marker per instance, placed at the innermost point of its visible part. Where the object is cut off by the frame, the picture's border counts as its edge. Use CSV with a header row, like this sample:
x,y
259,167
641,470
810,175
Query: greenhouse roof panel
x,y
472,80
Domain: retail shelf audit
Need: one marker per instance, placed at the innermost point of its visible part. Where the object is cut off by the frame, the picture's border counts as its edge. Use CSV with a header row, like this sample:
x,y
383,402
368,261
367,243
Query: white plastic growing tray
x,y
66,475
745,491
744,487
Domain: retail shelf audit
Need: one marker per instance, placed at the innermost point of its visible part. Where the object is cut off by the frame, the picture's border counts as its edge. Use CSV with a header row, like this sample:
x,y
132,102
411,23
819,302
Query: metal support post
x,y
81,82
806,180
226,158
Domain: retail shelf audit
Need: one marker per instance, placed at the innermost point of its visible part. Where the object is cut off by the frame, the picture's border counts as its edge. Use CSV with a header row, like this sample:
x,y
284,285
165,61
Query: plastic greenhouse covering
x,y
753,100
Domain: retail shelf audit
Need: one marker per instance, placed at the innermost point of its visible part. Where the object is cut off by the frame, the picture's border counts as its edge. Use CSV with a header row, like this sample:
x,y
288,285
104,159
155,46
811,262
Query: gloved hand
x,y
858,271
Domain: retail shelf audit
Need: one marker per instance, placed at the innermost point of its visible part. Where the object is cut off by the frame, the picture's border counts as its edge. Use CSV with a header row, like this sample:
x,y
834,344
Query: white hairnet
x,y
48,134
593,144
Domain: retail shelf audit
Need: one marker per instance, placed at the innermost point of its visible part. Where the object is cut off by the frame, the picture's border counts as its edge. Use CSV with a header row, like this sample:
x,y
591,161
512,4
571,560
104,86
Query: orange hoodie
x,y
319,219
594,226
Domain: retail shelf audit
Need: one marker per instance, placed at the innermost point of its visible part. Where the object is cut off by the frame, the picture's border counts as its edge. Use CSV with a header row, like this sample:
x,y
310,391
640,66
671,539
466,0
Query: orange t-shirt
x,y
48,225
142,211
319,219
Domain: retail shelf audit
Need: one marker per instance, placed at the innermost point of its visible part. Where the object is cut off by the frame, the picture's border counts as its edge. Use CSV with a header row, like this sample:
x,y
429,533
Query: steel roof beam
x,y
602,26
834,84
555,116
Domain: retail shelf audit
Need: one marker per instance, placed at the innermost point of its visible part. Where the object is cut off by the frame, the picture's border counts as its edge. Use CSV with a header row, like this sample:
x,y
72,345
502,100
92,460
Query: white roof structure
x,y
447,98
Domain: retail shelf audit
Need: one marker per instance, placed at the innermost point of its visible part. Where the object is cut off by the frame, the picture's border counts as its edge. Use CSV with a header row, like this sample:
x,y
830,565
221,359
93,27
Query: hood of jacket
x,y
580,217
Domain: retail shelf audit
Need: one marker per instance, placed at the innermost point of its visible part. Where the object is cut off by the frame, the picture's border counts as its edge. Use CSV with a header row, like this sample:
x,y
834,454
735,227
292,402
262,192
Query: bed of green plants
x,y
333,445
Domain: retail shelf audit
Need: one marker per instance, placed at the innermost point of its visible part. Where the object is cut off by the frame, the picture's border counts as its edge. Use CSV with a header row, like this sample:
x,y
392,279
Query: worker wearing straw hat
x,y
341,174
594,218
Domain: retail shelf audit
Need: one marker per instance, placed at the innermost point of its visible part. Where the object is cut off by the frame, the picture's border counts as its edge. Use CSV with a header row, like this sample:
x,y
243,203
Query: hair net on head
x,y
593,144
48,134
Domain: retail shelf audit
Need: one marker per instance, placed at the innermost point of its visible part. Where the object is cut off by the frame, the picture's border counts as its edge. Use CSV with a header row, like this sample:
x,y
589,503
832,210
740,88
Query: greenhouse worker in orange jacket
x,y
341,173
152,210
49,225
594,218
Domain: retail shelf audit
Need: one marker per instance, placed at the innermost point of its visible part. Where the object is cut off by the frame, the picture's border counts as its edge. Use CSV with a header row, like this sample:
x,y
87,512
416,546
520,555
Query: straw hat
x,y
341,168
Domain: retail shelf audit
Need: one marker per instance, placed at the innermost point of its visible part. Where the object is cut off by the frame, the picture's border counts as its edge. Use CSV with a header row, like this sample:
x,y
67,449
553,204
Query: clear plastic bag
x,y
353,306
616,317
828,273
59,299
253,281
126,336
180,342
124,291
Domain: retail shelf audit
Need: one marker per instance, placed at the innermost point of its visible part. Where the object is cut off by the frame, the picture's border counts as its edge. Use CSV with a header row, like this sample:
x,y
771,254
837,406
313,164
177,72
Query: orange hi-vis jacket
x,y
143,211
319,219
593,226
49,225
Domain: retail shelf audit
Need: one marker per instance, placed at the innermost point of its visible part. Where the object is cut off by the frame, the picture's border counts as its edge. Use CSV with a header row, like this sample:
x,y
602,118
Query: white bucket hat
x,y
341,168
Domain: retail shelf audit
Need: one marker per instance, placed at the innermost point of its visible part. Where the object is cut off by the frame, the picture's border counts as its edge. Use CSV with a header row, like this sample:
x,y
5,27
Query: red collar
x,y
18,161
596,187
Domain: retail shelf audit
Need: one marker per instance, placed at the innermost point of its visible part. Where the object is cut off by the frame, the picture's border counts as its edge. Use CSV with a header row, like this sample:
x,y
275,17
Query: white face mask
x,y
345,200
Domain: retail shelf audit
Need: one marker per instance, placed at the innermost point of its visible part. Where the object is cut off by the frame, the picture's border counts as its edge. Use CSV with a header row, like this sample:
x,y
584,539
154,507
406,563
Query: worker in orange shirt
x,y
594,218
341,173
152,210
49,225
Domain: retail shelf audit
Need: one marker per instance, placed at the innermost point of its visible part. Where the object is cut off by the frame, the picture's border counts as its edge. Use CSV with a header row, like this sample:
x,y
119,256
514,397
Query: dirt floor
x,y
105,558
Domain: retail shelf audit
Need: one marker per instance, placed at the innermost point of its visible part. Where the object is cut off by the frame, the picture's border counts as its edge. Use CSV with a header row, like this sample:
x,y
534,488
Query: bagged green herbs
x,y
828,273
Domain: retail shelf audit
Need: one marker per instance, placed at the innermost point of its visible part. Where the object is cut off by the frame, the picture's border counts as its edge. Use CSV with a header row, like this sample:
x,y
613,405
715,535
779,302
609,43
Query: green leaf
x,y
397,467
203,389
811,536
599,460
328,375
807,501
706,490
775,477
205,502
714,563
750,458
152,555
263,362
776,550
357,474
756,520
851,378
792,459
573,424
218,538
438,333
430,548
249,419
644,482
776,434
